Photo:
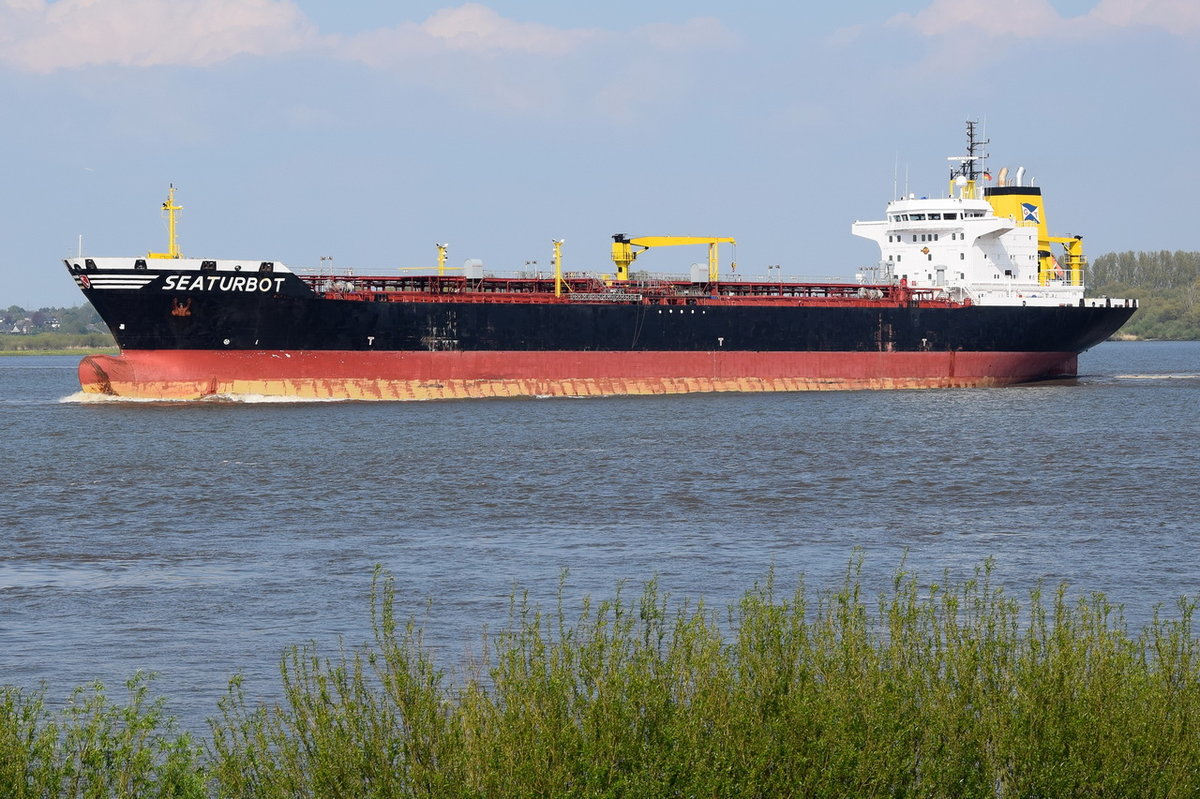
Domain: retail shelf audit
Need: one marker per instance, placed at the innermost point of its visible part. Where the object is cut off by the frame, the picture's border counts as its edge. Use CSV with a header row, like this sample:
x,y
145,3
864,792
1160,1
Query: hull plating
x,y
356,375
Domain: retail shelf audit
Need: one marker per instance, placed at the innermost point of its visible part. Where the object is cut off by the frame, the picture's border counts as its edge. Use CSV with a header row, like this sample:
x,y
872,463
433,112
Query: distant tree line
x,y
82,319
1147,270
48,329
1166,285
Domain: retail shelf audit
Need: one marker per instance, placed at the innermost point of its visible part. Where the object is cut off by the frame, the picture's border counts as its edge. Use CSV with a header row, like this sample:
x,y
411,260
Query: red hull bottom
x,y
194,374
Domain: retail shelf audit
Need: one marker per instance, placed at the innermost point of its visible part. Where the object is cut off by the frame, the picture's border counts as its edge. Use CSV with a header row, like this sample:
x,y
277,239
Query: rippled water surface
x,y
199,539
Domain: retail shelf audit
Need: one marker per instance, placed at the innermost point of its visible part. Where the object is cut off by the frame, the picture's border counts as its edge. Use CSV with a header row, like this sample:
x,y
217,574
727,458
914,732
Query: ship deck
x,y
592,289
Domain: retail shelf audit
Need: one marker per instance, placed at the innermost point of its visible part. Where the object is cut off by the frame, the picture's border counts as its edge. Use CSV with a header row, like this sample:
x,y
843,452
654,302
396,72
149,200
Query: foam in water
x,y
87,398
1183,376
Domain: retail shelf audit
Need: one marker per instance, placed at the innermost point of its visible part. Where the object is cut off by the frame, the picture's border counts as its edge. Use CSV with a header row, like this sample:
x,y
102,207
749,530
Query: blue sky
x,y
368,131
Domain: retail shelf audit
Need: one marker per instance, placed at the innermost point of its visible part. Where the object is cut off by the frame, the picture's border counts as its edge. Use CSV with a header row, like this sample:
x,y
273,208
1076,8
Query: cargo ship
x,y
968,292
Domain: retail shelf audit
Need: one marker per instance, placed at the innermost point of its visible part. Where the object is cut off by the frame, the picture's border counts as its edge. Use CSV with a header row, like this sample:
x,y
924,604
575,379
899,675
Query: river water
x,y
198,540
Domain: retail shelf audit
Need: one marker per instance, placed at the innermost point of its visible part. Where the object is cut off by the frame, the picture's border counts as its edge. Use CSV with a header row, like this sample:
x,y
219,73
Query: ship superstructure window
x,y
950,215
91,265
917,217
140,263
208,266
266,266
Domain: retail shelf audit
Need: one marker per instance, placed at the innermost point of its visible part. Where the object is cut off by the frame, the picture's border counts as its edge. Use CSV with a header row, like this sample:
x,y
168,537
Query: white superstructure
x,y
959,244
986,243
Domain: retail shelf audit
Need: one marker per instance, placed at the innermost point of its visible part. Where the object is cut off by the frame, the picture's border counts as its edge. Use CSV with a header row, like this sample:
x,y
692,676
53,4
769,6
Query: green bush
x,y
945,689
94,748
45,342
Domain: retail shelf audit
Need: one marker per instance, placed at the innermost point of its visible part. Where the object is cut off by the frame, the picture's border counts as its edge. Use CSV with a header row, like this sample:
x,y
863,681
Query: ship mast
x,y
172,242
970,166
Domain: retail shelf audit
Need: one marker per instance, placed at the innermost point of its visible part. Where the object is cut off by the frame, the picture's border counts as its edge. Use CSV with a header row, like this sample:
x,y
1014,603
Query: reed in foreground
x,y
932,690
950,689
95,748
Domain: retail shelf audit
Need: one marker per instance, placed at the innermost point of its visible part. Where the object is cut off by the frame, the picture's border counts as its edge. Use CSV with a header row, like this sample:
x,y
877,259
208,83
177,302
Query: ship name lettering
x,y
245,283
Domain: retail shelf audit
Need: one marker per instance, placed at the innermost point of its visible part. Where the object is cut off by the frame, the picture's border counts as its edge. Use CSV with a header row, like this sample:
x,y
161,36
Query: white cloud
x,y
44,36
467,51
1033,19
476,30
470,50
469,29
40,36
1021,18
1177,16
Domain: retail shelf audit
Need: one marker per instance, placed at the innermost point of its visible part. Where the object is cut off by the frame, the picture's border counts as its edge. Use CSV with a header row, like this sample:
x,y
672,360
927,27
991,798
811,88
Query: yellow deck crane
x,y
623,253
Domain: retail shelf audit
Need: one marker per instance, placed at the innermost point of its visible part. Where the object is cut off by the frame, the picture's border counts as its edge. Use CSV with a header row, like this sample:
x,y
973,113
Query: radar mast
x,y
970,166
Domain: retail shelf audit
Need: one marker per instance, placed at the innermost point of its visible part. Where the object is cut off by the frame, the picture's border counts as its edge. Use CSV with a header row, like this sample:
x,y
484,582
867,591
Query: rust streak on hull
x,y
194,374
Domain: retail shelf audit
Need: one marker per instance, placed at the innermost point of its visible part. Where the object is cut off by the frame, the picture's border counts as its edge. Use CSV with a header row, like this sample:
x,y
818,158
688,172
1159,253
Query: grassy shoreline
x,y
950,688
69,351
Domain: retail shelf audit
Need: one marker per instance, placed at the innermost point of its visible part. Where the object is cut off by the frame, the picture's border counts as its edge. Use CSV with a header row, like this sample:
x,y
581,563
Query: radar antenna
x,y
970,166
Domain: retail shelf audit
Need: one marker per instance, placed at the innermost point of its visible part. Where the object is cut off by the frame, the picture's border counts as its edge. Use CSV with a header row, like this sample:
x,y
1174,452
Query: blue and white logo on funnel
x,y
1031,213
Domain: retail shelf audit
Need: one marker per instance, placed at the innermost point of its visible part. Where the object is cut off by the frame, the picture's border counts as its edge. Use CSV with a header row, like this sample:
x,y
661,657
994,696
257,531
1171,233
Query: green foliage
x,y
53,329
1146,270
56,342
943,689
1166,285
95,749
950,690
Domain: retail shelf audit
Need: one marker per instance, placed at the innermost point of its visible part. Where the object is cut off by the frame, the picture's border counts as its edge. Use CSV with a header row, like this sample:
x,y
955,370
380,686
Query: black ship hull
x,y
278,336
